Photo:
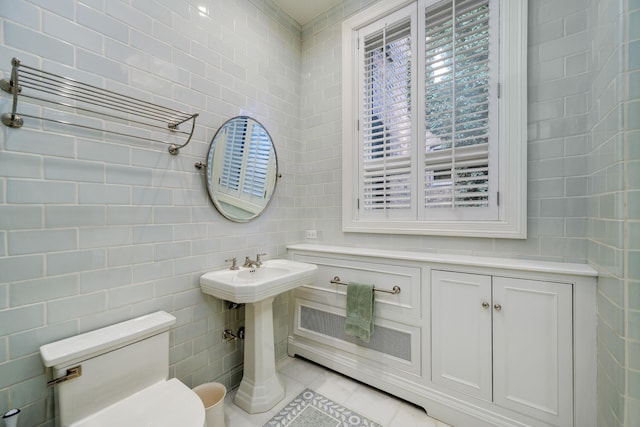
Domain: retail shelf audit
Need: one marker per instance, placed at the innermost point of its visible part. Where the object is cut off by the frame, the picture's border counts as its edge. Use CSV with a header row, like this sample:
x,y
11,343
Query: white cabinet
x,y
482,342
461,332
506,340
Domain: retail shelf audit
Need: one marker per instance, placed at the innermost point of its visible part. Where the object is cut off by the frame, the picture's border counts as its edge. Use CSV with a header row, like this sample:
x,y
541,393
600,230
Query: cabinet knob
x,y
485,304
498,307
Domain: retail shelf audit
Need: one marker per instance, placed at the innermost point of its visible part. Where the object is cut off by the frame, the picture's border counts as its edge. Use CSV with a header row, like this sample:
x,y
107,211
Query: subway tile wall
x,y
96,229
613,185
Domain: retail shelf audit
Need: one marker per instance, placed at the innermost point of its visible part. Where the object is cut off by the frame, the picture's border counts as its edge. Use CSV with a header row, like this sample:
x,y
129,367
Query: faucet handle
x,y
234,263
258,260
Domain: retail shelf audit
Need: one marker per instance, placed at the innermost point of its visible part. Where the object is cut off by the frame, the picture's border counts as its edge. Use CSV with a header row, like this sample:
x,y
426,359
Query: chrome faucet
x,y
234,263
248,262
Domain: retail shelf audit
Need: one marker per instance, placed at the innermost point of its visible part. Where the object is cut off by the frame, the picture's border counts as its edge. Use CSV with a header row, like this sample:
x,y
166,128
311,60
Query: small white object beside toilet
x,y
122,379
212,396
11,418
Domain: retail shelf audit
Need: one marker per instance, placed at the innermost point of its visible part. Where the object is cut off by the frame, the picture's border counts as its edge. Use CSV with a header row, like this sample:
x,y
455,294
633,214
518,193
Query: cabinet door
x,y
532,339
461,328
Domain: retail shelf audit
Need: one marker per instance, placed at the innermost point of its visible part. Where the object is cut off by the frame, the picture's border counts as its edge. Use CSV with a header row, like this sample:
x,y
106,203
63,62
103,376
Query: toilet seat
x,y
165,404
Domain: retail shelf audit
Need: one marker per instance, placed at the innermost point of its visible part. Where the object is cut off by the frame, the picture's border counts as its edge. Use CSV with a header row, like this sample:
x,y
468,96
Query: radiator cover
x,y
384,340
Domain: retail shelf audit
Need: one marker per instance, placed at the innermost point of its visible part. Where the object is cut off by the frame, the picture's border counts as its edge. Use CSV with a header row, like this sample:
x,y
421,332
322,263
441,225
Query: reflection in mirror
x,y
241,169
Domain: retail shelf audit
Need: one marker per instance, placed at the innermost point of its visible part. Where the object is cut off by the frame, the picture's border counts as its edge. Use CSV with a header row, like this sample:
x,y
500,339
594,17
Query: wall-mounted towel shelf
x,y
394,291
119,110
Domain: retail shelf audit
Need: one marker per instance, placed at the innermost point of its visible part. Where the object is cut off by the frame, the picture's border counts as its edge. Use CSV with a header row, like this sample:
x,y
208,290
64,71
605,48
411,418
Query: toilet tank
x,y
116,362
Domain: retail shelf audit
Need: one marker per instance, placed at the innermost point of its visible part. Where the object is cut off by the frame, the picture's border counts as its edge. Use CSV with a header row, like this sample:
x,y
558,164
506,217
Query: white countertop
x,y
468,260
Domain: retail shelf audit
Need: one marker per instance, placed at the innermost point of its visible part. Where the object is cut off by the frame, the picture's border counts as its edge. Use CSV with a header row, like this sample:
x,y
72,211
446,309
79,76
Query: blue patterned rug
x,y
310,409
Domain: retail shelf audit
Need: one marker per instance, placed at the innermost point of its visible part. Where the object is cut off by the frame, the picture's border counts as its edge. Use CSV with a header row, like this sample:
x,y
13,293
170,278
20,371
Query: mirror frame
x,y
208,175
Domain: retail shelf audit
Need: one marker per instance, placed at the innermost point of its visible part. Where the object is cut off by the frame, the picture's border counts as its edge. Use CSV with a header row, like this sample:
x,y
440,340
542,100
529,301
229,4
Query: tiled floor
x,y
299,374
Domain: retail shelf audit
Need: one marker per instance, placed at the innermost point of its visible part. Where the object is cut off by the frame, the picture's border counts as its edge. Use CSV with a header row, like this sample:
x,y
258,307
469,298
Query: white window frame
x,y
512,144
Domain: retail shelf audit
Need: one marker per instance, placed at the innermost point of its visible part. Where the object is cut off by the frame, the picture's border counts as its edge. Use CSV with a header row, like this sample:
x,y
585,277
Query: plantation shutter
x,y
257,163
236,132
459,173
387,183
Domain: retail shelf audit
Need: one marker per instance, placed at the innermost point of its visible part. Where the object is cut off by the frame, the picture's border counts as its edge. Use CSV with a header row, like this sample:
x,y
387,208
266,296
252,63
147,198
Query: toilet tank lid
x,y
90,344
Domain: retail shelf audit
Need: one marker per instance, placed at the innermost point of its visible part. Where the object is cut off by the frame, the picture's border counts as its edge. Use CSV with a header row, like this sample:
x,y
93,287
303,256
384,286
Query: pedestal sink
x,y
261,388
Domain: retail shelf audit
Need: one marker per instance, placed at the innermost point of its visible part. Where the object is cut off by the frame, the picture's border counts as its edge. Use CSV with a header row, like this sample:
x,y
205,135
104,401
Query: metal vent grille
x,y
384,340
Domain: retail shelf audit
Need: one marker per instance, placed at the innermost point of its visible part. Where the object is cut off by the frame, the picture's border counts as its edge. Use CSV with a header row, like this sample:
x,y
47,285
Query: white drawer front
x,y
403,307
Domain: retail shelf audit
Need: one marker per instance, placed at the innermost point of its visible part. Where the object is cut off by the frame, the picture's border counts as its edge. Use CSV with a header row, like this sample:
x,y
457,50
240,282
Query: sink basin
x,y
249,285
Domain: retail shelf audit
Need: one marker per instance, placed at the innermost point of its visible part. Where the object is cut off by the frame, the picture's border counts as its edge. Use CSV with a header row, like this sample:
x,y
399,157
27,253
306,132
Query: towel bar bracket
x,y
393,291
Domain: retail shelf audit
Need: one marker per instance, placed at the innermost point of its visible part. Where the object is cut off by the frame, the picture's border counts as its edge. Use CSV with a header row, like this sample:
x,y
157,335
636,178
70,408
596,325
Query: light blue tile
x,y
120,215
131,294
74,307
19,370
152,305
41,241
21,319
3,350
68,31
98,320
21,268
4,401
634,294
104,237
152,234
31,141
29,342
42,290
21,165
152,271
24,393
73,170
634,355
104,24
634,325
28,191
91,194
74,216
633,55
152,196
171,215
37,43
117,174
129,255
634,384
99,280
21,217
72,262
25,14
633,411
98,64
172,250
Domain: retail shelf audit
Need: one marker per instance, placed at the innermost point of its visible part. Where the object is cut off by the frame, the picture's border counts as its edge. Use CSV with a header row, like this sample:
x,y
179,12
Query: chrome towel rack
x,y
53,89
394,291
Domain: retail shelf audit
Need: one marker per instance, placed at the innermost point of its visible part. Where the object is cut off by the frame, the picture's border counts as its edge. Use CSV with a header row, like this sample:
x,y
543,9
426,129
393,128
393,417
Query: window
x,y
434,129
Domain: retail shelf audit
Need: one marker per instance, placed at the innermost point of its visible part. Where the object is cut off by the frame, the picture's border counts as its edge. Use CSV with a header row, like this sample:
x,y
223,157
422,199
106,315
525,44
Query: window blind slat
x,y
387,124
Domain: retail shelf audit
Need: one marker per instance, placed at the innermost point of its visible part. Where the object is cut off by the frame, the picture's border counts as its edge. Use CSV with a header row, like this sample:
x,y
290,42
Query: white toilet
x,y
123,380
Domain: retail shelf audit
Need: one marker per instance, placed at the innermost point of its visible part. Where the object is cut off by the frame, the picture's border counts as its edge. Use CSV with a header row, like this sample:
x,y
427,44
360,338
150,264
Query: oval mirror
x,y
242,168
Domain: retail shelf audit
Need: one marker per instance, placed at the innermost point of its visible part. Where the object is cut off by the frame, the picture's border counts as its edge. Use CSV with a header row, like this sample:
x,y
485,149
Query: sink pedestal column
x,y
261,388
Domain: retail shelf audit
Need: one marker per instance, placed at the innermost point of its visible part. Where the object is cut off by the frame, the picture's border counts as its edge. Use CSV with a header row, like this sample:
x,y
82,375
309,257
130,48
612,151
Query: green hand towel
x,y
359,322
